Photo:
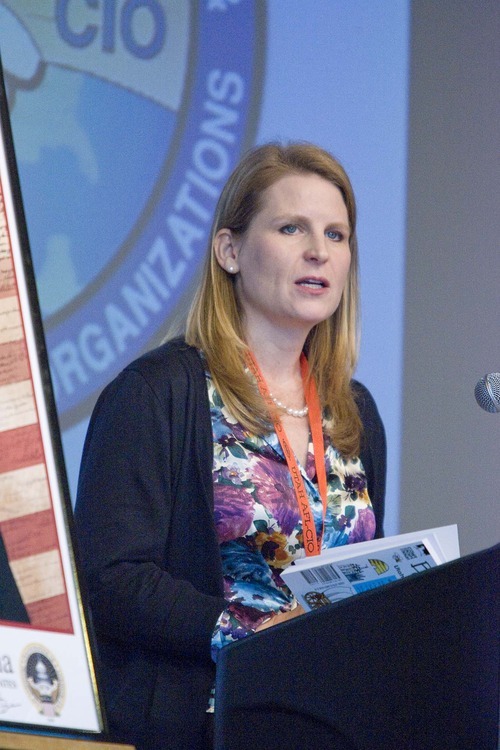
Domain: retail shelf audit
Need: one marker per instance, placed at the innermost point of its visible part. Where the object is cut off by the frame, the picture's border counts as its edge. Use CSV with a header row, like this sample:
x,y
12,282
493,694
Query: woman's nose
x,y
316,249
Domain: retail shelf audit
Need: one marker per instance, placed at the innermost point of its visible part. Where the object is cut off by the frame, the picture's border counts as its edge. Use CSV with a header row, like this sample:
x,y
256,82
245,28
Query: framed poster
x,y
47,678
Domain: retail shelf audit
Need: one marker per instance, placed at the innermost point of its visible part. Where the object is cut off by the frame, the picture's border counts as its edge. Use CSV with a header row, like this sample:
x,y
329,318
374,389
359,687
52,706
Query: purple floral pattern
x,y
258,522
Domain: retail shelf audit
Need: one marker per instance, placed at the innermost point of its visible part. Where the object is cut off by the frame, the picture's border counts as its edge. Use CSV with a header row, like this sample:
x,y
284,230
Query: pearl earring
x,y
231,269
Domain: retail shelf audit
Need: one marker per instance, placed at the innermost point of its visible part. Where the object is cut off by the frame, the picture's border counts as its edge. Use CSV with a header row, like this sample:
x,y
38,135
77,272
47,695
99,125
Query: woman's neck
x,y
279,365
280,368
278,360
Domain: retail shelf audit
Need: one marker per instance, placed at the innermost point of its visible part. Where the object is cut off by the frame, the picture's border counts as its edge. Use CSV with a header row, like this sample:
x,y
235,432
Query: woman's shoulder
x,y
365,402
171,359
165,374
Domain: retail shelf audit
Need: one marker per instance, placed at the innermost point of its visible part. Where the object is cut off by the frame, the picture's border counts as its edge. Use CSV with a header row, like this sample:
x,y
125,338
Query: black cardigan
x,y
144,516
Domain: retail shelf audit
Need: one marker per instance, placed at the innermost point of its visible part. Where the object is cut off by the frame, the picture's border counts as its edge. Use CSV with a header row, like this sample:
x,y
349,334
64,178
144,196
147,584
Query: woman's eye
x,y
333,234
289,229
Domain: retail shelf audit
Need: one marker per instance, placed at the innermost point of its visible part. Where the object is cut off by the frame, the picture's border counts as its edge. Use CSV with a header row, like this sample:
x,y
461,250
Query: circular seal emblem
x,y
42,680
128,117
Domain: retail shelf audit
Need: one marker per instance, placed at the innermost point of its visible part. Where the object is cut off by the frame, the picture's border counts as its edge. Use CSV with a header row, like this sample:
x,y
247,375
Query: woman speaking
x,y
216,460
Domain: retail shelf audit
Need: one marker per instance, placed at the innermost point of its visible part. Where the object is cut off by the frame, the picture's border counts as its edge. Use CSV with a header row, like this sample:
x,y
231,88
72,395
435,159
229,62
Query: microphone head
x,y
487,392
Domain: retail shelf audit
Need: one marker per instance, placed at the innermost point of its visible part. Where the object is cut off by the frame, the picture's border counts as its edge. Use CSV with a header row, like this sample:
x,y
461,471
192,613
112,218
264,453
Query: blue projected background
x,y
127,119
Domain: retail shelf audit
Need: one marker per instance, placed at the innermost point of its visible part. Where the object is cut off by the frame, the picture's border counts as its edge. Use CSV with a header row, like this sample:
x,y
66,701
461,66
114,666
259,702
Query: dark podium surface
x,y
410,666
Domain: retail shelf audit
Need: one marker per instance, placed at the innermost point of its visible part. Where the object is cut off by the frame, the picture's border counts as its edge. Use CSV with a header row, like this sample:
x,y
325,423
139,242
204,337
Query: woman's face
x,y
292,262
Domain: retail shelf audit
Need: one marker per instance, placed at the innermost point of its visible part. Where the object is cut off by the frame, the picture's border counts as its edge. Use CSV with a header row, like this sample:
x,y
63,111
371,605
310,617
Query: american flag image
x,y
27,521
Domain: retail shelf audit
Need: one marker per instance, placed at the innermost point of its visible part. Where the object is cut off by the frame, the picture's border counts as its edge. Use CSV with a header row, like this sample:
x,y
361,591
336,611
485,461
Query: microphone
x,y
487,392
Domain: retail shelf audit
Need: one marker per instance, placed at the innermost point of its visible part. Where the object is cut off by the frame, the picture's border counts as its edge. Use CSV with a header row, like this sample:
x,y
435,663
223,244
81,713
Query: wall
x,y
450,447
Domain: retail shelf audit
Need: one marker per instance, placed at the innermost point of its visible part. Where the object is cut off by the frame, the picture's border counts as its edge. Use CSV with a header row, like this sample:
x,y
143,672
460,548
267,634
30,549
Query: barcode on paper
x,y
321,575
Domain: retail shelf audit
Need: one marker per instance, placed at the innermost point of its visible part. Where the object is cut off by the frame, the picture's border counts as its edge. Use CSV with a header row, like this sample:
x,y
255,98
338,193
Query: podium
x,y
413,665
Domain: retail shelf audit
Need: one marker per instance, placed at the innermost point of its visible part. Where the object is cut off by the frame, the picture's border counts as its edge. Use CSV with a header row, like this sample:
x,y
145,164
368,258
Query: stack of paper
x,y
343,571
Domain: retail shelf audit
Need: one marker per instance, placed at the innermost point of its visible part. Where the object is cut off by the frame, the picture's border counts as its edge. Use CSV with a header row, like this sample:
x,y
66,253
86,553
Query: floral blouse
x,y
258,521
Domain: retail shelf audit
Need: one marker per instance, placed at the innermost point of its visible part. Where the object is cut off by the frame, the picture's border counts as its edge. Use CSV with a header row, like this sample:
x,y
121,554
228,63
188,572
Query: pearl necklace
x,y
291,412
287,409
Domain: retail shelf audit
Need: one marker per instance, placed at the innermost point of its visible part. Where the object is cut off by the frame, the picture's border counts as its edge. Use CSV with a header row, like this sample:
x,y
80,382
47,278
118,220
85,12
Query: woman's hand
x,y
281,617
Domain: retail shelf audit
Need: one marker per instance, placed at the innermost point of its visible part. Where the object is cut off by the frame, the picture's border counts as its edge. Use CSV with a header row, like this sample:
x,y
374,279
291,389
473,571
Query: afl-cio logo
x,y
138,110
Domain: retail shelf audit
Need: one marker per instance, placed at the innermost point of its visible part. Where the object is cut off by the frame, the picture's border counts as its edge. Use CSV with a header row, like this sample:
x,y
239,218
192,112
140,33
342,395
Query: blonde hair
x,y
214,322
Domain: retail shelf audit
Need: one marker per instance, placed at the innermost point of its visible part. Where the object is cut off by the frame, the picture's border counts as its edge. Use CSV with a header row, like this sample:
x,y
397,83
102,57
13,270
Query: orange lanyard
x,y
312,544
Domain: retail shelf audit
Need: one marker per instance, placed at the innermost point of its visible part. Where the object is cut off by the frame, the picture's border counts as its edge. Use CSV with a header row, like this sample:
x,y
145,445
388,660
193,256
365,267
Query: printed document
x,y
351,569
